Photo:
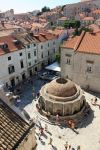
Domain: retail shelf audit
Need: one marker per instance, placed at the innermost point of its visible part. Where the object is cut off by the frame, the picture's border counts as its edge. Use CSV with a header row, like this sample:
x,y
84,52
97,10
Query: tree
x,y
66,24
63,7
72,23
77,24
79,31
53,28
39,13
76,32
58,56
45,9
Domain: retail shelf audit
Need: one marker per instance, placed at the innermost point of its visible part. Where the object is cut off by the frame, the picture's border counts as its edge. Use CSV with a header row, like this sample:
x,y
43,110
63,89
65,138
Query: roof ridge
x,y
79,40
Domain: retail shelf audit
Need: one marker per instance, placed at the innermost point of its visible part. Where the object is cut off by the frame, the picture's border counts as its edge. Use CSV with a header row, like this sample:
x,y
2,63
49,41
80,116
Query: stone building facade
x,y
80,59
22,55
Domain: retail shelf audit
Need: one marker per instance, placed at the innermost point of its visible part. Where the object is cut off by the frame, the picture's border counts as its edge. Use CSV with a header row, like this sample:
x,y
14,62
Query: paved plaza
x,y
88,133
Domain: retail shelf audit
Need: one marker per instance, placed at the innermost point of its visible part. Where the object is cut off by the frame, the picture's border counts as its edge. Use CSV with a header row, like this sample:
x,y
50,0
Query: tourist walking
x,y
40,137
78,147
41,130
50,142
66,146
69,147
57,118
46,127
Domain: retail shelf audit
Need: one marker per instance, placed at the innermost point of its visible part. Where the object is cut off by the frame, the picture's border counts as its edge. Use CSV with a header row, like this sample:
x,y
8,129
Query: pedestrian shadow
x,y
37,133
44,135
75,131
54,147
42,142
94,93
61,126
49,133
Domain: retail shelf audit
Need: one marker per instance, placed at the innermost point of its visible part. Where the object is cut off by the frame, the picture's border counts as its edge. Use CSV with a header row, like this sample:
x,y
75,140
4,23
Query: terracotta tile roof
x,y
70,43
97,11
11,46
42,37
81,15
25,38
13,129
94,27
85,43
88,18
90,43
63,18
58,31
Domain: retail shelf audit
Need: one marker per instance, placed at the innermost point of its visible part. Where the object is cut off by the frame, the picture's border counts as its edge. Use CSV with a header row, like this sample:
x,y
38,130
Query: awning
x,y
54,67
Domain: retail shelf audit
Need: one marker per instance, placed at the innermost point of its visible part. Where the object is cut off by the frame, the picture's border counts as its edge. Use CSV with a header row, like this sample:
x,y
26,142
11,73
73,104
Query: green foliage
x,y
76,32
53,28
58,57
63,7
79,31
45,9
72,23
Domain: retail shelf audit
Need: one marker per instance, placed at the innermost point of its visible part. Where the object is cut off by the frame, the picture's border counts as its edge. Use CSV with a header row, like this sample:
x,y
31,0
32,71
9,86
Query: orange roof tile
x,y
97,11
88,18
70,43
11,46
85,43
42,37
90,43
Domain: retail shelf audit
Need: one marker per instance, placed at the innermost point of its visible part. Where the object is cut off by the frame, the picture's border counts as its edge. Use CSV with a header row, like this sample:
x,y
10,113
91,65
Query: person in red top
x,y
69,147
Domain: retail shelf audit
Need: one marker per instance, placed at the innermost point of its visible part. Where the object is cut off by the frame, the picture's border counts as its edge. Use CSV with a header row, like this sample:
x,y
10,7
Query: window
x,y
89,69
68,55
34,45
20,54
11,69
68,61
21,64
41,46
42,55
53,43
35,61
9,58
48,53
34,53
28,46
29,55
54,50
29,64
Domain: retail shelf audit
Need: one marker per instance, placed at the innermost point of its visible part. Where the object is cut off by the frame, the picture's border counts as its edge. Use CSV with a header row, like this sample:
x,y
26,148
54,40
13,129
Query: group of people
x,y
69,147
66,146
41,133
71,124
41,129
